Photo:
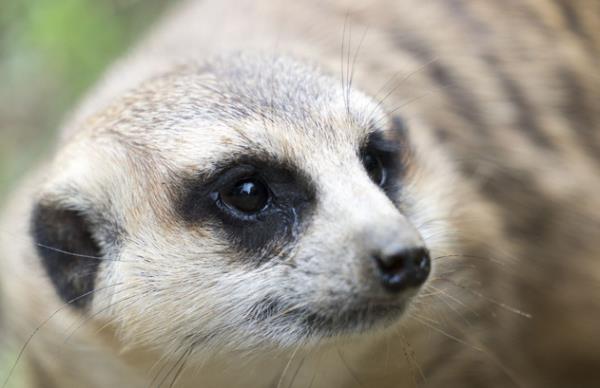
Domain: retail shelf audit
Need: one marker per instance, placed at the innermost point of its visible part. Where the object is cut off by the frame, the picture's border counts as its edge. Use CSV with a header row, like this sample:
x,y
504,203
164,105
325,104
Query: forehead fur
x,y
243,102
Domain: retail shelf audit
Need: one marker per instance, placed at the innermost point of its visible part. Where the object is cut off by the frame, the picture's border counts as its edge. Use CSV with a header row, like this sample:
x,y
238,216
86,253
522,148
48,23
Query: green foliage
x,y
76,38
50,52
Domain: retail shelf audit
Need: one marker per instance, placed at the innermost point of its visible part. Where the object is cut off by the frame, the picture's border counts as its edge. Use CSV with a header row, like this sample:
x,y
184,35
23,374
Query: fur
x,y
497,148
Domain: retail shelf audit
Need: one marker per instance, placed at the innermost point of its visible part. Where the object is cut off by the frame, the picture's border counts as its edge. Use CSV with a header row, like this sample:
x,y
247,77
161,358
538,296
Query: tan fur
x,y
501,107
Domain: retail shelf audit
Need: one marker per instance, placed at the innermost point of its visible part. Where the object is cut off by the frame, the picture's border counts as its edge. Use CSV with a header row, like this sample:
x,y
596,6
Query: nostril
x,y
391,264
404,269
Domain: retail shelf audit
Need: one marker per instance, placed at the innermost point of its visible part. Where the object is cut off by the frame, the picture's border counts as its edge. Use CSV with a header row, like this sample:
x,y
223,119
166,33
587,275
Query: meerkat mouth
x,y
357,317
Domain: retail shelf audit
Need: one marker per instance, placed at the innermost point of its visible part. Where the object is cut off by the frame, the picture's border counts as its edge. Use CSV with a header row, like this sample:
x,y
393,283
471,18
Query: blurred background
x,y
51,51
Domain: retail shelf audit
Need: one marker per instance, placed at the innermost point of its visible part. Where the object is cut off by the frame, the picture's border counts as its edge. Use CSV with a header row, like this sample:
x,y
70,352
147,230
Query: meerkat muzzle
x,y
403,269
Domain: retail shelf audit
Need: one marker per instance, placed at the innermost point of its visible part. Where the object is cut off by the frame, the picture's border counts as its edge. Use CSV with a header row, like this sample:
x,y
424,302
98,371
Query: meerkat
x,y
321,194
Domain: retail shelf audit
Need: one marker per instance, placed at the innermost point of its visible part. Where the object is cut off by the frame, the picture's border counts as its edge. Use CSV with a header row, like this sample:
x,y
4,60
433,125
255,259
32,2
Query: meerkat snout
x,y
396,254
387,245
403,269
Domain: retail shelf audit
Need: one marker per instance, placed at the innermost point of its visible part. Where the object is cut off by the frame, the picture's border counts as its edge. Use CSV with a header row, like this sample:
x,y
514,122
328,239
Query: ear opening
x,y
68,251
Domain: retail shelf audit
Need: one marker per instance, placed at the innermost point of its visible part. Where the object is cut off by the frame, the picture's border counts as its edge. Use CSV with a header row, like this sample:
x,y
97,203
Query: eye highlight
x,y
374,167
253,203
248,195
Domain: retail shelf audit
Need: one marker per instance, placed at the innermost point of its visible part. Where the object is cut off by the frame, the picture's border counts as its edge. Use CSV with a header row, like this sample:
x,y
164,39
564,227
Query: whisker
x,y
410,356
89,318
73,324
78,255
493,260
314,375
297,370
164,362
423,321
57,250
171,369
289,310
44,323
387,354
397,84
287,366
348,51
342,74
430,320
481,348
429,294
360,43
402,105
350,371
455,311
108,323
272,97
181,367
427,93
491,300
452,298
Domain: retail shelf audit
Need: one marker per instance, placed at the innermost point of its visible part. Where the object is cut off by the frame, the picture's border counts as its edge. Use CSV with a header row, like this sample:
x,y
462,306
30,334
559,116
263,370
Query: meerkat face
x,y
231,207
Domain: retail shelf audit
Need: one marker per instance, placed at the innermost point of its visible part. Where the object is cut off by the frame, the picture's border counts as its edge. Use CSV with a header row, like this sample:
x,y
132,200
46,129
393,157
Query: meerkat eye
x,y
247,195
374,167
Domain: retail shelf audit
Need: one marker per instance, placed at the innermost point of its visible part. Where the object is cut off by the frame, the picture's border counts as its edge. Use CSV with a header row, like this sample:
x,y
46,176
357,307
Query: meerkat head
x,y
248,201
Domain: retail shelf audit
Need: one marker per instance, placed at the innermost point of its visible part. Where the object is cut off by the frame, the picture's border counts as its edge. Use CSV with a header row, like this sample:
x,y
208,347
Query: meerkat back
x,y
321,194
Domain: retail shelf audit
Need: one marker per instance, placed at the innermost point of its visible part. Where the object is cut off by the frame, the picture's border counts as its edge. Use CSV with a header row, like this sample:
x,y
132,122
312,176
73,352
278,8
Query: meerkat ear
x,y
68,250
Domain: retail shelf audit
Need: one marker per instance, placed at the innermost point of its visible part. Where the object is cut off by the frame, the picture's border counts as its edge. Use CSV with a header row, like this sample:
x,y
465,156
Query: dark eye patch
x,y
255,233
389,147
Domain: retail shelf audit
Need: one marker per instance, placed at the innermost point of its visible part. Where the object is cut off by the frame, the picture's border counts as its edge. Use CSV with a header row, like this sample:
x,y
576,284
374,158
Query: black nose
x,y
404,269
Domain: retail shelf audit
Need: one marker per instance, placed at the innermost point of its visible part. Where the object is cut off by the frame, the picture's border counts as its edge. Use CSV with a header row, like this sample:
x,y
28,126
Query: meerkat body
x,y
254,195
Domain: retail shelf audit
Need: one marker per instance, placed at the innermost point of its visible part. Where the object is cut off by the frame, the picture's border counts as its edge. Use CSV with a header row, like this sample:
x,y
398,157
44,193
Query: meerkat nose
x,y
403,269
